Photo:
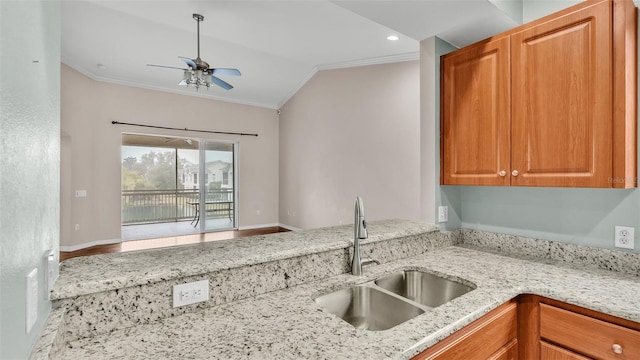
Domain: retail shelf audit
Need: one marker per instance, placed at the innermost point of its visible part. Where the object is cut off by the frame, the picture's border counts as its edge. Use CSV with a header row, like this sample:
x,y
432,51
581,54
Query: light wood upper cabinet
x,y
550,103
477,87
561,76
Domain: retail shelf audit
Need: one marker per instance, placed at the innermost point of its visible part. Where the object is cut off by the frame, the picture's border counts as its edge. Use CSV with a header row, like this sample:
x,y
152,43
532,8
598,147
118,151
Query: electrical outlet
x,y
624,237
443,213
190,293
50,277
76,227
32,299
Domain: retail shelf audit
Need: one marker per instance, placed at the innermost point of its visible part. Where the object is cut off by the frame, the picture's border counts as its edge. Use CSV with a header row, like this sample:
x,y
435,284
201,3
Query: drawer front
x,y
478,340
552,352
587,335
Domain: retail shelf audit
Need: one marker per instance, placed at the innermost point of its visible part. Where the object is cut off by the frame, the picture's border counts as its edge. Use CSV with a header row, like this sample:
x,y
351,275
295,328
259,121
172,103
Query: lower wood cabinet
x,y
532,327
552,352
493,336
507,352
588,336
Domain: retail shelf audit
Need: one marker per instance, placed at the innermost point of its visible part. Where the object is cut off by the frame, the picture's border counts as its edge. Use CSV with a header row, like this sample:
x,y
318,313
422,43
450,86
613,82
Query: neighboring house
x,y
216,171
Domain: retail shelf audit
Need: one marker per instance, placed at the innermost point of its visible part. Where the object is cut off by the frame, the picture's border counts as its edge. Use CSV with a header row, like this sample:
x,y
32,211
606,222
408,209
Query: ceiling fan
x,y
198,72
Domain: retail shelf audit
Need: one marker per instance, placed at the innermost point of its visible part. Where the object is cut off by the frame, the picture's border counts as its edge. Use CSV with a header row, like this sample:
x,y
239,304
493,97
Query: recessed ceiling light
x,y
393,38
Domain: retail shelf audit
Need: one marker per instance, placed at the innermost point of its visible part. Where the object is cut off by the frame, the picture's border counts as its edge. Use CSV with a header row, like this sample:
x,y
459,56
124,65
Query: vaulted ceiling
x,y
277,45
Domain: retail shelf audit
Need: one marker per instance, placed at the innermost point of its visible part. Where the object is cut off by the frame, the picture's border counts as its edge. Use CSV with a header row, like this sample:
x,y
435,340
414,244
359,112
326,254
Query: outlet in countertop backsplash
x,y
117,291
107,301
512,245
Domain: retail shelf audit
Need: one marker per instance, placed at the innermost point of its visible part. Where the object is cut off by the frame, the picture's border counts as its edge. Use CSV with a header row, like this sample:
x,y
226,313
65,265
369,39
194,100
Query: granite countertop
x,y
91,274
287,324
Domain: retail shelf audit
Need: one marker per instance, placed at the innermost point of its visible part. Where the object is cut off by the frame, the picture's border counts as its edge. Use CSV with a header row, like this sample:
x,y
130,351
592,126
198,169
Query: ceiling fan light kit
x,y
199,74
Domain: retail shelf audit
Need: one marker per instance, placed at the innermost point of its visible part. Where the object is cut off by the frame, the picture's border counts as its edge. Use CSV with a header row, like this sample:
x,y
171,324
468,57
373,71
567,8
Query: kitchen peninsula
x,y
262,304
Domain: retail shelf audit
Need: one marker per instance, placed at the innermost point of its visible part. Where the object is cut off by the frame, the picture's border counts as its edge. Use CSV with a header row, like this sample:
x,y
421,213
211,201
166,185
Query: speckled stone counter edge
x,y
103,312
503,244
287,324
525,247
51,341
92,274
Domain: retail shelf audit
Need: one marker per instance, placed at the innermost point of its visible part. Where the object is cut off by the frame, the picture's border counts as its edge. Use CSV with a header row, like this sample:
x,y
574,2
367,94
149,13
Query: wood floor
x,y
169,241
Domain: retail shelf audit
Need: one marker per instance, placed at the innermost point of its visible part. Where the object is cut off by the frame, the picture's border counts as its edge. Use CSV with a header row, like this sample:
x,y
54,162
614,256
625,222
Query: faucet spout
x,y
359,232
360,224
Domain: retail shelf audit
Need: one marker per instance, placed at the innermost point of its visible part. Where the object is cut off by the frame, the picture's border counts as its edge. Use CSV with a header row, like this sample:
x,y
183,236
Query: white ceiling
x,y
277,45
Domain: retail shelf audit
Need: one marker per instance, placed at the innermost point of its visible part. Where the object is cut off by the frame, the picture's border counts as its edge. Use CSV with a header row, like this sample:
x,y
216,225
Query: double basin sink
x,y
392,299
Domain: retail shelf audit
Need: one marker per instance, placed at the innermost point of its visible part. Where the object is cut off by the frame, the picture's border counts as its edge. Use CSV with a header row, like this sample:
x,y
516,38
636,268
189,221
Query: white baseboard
x,y
289,227
260,226
251,227
70,248
90,244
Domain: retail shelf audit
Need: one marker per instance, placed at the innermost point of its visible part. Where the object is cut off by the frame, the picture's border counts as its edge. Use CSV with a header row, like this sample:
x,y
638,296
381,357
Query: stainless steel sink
x,y
367,308
423,288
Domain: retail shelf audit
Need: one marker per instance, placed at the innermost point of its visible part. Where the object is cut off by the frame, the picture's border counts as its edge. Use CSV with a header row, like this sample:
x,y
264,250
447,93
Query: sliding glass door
x,y
176,186
218,177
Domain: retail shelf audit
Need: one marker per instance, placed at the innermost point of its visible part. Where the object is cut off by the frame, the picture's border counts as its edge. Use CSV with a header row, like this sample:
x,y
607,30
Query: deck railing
x,y
155,206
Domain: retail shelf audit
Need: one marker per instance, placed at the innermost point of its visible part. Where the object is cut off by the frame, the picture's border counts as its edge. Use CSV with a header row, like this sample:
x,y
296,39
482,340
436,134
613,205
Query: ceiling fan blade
x,y
222,71
190,62
223,84
168,67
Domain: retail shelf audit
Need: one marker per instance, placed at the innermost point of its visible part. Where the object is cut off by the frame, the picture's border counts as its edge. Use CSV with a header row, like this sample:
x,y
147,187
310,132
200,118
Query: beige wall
x,y
87,109
349,132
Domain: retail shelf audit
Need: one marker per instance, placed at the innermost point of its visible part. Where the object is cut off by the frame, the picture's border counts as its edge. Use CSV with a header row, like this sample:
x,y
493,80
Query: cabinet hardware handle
x,y
515,173
616,348
502,173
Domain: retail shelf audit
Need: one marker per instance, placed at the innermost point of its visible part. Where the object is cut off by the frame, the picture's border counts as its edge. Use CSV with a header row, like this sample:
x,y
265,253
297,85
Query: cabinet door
x,y
507,352
562,101
476,104
482,339
552,352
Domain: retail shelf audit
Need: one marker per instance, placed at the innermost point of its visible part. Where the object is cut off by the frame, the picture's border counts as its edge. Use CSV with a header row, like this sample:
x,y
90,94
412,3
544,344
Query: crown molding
x,y
107,80
348,64
301,84
411,56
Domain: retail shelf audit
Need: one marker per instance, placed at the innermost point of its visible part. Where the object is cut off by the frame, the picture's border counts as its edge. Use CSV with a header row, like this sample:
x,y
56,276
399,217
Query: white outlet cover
x,y
624,237
443,213
190,293
32,299
52,274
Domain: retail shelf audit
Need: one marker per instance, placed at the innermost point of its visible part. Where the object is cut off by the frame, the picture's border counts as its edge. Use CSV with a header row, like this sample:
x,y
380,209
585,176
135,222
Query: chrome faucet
x,y
359,232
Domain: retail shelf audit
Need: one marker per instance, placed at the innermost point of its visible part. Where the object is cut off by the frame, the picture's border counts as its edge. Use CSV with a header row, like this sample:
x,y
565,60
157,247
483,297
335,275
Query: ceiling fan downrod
x,y
198,18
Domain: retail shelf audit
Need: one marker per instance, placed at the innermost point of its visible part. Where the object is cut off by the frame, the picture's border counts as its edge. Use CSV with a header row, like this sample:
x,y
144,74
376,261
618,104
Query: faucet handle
x,y
363,231
367,261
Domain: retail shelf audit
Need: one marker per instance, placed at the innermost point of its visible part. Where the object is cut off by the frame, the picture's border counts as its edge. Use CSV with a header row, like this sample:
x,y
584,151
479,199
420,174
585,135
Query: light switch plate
x,y
32,299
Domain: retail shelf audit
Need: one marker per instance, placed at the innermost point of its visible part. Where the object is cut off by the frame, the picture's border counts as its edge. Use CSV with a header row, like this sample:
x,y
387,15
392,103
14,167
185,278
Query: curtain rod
x,y
185,129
